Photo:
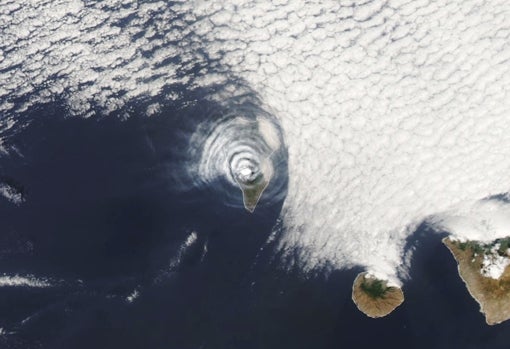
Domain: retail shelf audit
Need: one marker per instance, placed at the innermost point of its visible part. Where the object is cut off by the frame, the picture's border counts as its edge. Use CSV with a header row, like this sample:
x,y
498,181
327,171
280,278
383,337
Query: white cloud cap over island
x,y
484,220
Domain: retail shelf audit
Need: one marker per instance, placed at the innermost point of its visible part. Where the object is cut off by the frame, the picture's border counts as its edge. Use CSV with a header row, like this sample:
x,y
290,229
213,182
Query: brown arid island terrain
x,y
484,268
374,297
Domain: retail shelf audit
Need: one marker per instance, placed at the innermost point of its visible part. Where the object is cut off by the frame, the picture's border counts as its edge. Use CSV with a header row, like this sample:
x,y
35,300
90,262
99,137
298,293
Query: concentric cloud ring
x,y
238,152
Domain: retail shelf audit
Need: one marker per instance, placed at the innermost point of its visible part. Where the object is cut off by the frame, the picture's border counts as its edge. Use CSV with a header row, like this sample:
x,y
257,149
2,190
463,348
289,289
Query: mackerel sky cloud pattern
x,y
393,112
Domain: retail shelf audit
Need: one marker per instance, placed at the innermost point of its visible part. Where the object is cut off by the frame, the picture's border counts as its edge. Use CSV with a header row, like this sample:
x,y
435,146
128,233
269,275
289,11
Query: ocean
x,y
124,126
131,261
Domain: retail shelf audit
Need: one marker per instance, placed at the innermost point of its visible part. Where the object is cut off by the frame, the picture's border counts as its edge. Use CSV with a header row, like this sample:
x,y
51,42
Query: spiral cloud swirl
x,y
242,147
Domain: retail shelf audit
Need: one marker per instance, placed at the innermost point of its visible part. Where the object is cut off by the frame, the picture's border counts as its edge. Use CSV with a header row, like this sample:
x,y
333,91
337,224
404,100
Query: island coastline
x,y
491,293
375,297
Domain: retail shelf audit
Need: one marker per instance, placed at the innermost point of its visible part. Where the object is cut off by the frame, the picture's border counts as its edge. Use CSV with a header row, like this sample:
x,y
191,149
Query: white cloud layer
x,y
10,193
23,281
484,220
393,111
493,265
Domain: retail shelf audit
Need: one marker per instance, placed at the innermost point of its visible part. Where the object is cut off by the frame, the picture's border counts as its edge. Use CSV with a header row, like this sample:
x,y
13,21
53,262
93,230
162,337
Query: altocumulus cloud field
x,y
392,112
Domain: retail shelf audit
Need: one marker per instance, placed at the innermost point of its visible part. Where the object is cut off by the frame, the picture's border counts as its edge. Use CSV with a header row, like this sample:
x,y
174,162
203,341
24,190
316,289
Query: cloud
x,y
93,54
23,281
485,220
392,111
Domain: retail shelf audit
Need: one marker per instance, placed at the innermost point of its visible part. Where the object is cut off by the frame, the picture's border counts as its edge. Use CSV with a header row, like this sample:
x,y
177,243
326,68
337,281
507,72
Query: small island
x,y
374,297
252,181
484,269
252,191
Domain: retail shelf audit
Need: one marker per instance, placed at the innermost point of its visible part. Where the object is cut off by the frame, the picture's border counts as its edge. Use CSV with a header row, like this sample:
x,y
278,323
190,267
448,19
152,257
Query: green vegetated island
x,y
374,297
484,268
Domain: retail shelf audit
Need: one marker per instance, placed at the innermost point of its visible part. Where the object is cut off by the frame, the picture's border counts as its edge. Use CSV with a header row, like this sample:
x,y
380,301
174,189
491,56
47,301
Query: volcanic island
x,y
484,268
375,297
252,191
253,183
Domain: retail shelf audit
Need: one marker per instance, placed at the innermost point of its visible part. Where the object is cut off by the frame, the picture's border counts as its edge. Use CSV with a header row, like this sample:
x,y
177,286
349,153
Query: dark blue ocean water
x,y
101,218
